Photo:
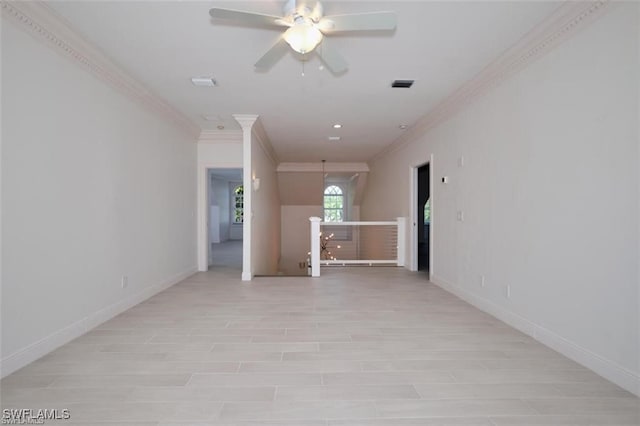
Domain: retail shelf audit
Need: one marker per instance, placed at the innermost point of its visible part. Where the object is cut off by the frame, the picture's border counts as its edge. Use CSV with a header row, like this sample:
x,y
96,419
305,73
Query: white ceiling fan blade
x,y
248,17
331,58
358,22
273,55
317,12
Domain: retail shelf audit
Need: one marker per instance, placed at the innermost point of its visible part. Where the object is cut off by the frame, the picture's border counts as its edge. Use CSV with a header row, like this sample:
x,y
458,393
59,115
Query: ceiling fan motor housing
x,y
302,9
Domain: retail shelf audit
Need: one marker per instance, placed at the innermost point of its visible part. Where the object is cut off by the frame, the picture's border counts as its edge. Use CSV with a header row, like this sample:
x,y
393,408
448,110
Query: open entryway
x,y
225,218
421,244
424,217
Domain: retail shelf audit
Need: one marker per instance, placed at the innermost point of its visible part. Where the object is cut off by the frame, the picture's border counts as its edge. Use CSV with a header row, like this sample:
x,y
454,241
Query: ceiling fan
x,y
306,29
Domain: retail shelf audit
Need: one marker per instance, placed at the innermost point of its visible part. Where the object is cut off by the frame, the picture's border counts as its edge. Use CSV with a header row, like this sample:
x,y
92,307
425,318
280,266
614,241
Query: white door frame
x,y
413,215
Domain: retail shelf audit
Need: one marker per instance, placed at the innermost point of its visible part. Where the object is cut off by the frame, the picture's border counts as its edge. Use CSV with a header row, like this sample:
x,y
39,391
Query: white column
x,y
315,246
246,121
402,238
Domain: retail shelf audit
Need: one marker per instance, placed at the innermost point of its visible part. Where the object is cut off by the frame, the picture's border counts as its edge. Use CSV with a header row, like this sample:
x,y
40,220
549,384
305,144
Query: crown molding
x,y
263,139
563,23
44,24
220,136
328,167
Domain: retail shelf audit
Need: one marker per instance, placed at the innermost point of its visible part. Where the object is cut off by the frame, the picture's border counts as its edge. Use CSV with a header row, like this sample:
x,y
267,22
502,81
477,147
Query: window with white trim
x,y
333,204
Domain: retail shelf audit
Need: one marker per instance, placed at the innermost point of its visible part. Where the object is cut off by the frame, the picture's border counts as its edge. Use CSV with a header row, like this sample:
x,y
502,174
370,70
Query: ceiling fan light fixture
x,y
303,37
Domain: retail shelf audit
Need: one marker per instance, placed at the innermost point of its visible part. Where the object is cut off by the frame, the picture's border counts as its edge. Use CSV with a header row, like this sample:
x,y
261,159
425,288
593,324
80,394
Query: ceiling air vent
x,y
204,81
402,83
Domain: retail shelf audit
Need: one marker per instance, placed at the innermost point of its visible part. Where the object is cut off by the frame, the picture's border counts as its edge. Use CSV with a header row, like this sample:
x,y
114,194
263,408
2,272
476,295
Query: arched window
x,y
238,204
427,212
333,204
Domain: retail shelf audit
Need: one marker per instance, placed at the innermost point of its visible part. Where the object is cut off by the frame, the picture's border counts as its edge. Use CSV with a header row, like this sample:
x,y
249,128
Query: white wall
x,y
549,191
219,197
221,153
214,228
265,212
296,235
93,188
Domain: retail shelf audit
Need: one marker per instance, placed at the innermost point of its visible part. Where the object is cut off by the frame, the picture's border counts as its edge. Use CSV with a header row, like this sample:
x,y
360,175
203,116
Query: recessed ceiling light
x,y
334,138
220,127
204,81
337,126
403,126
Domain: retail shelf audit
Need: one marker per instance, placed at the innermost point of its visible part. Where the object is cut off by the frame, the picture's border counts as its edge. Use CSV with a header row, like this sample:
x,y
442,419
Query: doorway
x,y
423,215
225,217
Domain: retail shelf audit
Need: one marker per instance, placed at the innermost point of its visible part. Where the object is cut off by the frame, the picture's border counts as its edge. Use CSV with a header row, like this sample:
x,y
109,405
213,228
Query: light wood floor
x,y
361,346
227,255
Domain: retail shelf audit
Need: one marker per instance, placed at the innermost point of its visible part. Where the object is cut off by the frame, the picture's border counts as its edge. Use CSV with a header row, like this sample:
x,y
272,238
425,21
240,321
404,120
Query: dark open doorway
x,y
424,218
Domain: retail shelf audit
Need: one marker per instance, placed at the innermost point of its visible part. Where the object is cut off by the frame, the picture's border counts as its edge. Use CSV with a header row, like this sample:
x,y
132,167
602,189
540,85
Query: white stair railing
x,y
356,243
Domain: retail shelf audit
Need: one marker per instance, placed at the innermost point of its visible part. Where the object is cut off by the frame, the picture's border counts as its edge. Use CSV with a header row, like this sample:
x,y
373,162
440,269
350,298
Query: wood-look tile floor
x,y
227,254
361,346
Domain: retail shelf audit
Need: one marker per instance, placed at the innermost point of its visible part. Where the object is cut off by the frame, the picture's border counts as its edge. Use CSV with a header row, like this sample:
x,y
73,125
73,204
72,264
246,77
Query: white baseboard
x,y
608,369
53,341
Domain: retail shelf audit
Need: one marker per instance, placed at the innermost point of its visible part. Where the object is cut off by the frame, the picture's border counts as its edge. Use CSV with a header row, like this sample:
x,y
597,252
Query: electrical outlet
x,y
124,281
461,161
482,281
508,291
460,216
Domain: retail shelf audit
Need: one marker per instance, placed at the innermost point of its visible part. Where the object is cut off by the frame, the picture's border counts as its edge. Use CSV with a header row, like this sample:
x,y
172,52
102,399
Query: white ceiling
x,y
439,44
